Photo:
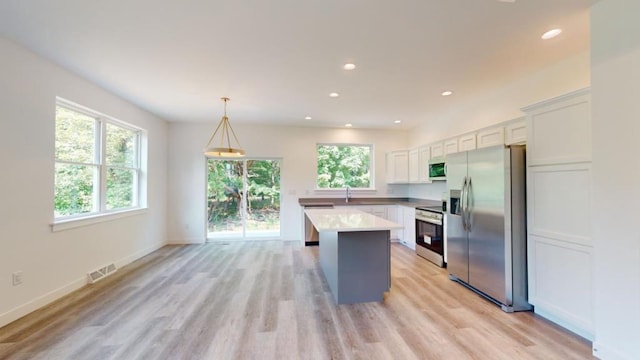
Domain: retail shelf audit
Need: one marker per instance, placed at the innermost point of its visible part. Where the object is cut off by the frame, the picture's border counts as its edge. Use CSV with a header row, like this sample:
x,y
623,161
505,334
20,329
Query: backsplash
x,y
431,191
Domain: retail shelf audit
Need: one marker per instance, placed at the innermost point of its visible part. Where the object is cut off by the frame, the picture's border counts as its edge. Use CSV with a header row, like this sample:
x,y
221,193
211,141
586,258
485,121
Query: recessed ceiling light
x,y
551,34
349,66
348,125
447,93
397,121
507,1
307,117
334,95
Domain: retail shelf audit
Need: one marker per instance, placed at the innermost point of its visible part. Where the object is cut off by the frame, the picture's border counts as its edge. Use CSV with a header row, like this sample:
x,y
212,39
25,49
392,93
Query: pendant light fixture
x,y
224,148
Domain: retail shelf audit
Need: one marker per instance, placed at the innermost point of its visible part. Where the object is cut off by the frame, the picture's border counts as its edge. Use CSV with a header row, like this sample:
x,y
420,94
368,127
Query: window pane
x,y
120,185
74,189
263,198
224,197
340,166
121,146
75,136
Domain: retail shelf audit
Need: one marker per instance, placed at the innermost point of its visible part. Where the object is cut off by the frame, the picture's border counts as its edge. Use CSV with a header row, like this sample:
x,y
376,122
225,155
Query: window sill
x,y
67,224
370,191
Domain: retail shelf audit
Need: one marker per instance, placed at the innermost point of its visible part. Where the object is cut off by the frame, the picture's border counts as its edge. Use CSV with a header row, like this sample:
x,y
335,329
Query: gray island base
x,y
355,253
356,264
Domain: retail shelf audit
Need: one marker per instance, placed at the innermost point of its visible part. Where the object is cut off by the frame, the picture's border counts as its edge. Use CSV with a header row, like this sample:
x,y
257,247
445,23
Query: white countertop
x,y
346,219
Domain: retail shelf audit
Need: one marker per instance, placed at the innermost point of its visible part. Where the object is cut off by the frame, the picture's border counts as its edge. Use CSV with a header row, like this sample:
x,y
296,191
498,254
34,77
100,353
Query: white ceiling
x,y
279,59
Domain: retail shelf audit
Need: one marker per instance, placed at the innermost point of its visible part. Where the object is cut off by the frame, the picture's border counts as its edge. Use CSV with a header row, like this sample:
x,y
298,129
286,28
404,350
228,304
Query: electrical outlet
x,y
17,278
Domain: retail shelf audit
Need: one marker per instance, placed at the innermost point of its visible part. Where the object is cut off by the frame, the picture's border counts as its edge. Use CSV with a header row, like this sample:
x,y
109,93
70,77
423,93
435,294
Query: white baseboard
x,y
186,241
35,304
602,351
137,255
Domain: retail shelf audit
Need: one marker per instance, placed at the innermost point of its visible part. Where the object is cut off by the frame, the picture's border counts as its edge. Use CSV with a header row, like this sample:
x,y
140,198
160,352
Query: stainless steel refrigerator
x,y
486,224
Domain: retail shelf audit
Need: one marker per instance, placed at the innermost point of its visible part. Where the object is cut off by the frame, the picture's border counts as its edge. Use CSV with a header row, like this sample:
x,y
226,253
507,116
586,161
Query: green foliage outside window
x,y
225,194
80,164
120,157
74,181
341,166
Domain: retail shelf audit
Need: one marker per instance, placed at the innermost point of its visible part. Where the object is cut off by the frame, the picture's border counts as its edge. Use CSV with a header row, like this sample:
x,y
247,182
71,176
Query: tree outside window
x,y
344,165
97,164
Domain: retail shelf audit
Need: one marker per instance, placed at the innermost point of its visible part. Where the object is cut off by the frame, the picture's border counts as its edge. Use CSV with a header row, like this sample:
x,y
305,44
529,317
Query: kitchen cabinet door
x,y
424,154
559,130
398,167
392,215
414,166
491,137
451,146
560,244
437,150
467,142
516,133
409,222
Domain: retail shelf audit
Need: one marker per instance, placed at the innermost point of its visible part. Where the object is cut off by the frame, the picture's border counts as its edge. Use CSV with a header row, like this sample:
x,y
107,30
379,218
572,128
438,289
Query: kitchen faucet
x,y
347,195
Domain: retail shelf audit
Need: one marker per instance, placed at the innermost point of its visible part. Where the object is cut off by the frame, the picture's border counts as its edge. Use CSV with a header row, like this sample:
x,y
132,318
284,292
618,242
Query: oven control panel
x,y
429,216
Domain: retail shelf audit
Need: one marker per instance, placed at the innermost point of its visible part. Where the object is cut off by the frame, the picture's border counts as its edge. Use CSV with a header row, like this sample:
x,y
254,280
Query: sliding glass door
x,y
233,215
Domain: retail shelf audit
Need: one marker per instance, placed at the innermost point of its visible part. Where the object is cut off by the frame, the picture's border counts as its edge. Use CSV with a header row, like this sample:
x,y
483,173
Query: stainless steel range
x,y
430,234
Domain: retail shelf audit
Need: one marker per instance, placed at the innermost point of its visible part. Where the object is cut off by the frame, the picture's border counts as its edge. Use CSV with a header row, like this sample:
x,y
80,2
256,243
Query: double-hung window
x,y
97,163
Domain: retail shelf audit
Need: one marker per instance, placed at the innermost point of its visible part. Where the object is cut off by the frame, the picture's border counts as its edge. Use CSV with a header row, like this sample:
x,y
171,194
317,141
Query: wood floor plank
x,y
270,300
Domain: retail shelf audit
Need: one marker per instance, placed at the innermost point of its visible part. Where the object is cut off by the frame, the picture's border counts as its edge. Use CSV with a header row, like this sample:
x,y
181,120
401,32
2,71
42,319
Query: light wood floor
x,y
269,300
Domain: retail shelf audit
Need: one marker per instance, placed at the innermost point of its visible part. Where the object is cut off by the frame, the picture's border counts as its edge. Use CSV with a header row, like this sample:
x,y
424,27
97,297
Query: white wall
x,y
504,104
56,263
294,145
615,94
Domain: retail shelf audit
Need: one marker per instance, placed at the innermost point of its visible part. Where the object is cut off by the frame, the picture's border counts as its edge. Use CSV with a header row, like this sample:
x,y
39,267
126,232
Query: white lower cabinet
x,y
409,222
560,283
392,215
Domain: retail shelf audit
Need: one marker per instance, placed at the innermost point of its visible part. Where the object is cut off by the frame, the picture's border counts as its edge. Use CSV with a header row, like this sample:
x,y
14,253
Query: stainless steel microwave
x,y
437,169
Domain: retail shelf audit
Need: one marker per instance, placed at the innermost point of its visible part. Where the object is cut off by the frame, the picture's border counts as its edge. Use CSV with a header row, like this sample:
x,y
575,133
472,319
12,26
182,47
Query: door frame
x,y
244,202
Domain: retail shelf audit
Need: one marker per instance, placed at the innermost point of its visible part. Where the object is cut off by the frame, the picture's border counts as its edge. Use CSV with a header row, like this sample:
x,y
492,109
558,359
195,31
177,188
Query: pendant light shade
x,y
223,146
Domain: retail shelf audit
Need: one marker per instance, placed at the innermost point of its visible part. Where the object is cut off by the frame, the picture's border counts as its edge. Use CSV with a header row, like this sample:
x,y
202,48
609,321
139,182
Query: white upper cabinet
x,y
414,166
559,130
437,150
451,146
516,132
467,142
398,167
491,137
424,154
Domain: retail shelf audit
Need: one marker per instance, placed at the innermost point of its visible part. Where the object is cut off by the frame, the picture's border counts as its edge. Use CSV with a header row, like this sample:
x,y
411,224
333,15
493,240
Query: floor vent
x,y
101,273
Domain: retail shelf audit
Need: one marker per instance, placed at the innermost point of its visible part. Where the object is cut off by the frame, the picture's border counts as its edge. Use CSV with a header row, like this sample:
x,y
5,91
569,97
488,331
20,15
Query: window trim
x,y
372,177
100,212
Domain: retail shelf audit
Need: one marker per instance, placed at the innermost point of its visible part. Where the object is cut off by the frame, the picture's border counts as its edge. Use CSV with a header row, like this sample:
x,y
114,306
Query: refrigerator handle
x,y
463,204
467,204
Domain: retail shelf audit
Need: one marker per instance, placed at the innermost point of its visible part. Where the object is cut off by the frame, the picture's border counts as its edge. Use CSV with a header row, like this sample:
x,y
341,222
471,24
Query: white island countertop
x,y
345,219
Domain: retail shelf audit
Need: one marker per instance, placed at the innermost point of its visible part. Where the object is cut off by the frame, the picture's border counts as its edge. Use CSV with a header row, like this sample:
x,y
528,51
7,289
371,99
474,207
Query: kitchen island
x,y
355,253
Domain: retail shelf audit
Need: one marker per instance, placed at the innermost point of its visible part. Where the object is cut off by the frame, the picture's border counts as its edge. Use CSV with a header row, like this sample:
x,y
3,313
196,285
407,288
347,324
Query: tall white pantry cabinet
x,y
559,240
